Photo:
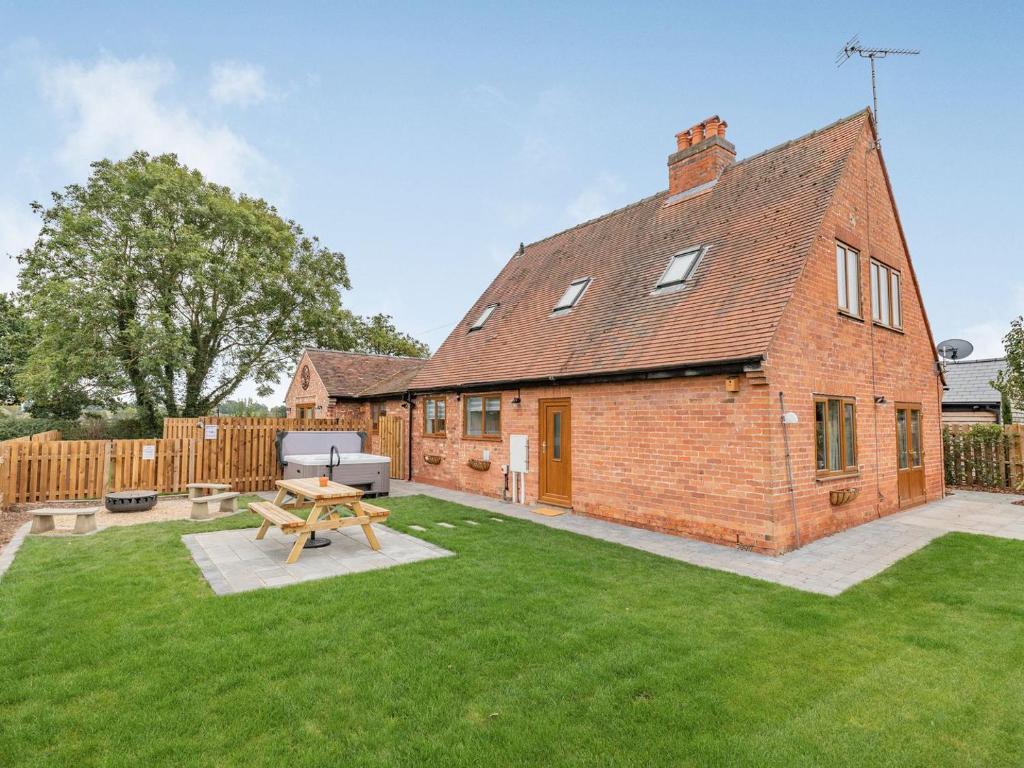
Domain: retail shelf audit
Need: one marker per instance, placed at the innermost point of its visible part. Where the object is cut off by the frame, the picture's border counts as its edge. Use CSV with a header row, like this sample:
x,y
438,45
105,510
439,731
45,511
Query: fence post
x,y
108,467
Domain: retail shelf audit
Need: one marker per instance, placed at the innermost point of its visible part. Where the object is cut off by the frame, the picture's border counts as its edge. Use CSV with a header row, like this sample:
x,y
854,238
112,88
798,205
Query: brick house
x,y
649,355
351,386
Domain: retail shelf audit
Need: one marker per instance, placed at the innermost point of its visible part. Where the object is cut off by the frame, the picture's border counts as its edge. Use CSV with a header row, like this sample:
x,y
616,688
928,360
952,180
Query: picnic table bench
x,y
323,503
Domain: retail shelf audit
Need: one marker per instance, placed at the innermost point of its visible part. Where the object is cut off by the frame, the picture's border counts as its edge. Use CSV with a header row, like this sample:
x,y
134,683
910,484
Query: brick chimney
x,y
702,153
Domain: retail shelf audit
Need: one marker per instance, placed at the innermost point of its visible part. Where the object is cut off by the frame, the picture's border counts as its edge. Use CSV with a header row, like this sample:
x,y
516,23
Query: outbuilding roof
x,y
755,226
356,375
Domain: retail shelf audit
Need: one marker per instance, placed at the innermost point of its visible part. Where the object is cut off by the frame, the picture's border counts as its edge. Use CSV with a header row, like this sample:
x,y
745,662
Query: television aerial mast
x,y
853,46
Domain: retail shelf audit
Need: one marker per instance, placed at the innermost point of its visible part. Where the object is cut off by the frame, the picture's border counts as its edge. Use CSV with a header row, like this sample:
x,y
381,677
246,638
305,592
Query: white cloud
x,y
600,196
118,106
18,230
233,82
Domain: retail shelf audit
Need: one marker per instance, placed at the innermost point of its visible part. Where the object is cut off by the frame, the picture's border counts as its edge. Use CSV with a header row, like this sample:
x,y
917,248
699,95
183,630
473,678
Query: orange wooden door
x,y
556,452
910,455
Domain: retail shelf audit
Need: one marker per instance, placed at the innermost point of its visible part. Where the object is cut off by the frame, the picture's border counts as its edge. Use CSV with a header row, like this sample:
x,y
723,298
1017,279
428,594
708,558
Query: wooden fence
x,y
984,455
38,437
241,452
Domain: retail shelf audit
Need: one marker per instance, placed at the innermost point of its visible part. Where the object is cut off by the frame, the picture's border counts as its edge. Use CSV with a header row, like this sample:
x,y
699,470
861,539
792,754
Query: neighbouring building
x,y
351,386
649,355
970,397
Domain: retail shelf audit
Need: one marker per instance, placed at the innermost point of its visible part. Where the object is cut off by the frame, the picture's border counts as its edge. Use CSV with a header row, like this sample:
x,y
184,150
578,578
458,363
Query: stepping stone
x,y
471,522
417,528
497,520
446,525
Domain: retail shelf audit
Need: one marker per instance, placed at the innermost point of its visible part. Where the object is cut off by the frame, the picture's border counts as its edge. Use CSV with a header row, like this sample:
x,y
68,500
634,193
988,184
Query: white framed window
x,y
848,279
680,267
572,294
487,312
886,296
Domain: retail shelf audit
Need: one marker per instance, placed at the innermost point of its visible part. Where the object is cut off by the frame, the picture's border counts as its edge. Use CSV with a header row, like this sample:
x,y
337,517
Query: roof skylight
x,y
488,310
572,294
680,268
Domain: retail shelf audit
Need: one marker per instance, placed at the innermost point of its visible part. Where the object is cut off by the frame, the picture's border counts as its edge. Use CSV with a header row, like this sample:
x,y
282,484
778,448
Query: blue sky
x,y
425,141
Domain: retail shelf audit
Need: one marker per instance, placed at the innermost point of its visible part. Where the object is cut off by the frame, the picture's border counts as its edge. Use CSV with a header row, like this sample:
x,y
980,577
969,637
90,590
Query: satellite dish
x,y
955,349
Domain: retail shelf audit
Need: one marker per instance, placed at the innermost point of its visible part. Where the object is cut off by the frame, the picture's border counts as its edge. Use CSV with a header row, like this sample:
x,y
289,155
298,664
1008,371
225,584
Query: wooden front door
x,y
556,452
909,455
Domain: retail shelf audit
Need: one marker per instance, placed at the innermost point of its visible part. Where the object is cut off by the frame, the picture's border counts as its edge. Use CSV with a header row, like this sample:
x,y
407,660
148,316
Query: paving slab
x,y
233,561
827,566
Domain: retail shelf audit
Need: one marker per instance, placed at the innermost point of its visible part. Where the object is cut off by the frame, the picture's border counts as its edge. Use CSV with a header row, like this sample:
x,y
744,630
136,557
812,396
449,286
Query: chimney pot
x,y
711,127
682,140
697,134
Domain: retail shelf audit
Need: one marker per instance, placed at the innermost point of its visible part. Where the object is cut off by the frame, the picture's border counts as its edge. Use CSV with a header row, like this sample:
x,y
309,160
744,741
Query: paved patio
x,y
233,561
827,566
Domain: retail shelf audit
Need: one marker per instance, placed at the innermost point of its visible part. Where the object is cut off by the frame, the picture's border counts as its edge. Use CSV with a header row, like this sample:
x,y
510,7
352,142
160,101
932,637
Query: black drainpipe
x,y
408,399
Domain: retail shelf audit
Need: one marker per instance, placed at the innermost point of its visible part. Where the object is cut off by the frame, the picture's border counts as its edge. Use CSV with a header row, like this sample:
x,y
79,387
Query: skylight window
x,y
488,311
572,294
680,268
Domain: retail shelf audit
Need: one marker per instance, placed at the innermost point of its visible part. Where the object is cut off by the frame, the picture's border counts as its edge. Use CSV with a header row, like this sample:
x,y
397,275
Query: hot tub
x,y
335,455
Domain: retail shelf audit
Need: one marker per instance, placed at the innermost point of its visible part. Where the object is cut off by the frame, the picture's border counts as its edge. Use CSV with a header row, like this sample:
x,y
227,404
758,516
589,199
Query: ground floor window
x,y
483,416
305,411
835,435
434,417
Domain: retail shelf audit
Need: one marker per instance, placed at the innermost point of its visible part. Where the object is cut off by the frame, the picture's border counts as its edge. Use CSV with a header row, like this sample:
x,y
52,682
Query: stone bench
x,y
196,490
85,519
226,502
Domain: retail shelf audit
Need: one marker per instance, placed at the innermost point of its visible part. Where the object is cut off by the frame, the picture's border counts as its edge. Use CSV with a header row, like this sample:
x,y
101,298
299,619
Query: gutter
x,y
739,365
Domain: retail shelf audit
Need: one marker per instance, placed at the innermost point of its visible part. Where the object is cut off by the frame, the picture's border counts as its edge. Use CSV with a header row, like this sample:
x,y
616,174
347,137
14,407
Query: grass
x,y
530,647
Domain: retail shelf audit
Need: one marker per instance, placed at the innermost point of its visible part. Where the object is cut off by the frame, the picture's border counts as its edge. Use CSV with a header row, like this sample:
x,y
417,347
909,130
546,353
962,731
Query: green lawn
x,y
530,647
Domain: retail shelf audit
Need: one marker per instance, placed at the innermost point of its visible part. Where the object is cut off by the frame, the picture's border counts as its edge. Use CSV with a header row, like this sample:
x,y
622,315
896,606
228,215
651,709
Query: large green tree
x,y
151,282
1010,381
13,347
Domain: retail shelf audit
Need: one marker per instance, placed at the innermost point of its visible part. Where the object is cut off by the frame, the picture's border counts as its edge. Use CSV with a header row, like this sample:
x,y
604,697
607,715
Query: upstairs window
x,y
434,417
488,311
680,268
572,294
835,435
886,304
848,279
483,416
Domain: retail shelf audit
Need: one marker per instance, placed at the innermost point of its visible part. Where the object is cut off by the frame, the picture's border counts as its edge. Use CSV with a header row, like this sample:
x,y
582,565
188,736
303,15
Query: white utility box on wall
x,y
518,453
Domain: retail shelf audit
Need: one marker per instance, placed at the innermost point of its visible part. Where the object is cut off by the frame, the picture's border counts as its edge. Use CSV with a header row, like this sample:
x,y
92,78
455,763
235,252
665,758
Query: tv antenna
x,y
853,46
955,349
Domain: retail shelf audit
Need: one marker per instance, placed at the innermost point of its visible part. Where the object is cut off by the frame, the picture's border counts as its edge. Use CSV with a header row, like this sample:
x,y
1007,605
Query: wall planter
x,y
433,458
479,464
842,496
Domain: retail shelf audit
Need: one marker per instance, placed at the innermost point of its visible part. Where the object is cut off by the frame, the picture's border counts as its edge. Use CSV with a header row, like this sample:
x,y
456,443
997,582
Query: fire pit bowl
x,y
130,501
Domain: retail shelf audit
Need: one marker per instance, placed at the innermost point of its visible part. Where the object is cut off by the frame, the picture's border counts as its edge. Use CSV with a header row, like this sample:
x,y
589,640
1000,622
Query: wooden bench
x,y
226,502
203,489
375,513
85,519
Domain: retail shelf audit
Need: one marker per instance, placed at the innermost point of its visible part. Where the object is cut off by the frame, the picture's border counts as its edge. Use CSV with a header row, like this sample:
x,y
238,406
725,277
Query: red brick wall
x,y
678,455
819,351
316,393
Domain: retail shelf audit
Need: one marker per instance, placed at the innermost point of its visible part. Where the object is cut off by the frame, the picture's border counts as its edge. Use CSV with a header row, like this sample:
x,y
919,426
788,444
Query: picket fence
x,y
237,451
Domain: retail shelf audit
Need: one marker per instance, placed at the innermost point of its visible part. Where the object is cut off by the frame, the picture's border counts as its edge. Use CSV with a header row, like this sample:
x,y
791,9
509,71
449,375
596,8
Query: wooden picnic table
x,y
324,503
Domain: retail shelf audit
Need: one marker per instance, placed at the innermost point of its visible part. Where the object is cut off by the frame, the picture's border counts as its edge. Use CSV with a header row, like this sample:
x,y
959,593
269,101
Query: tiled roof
x,y
969,381
759,221
350,374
